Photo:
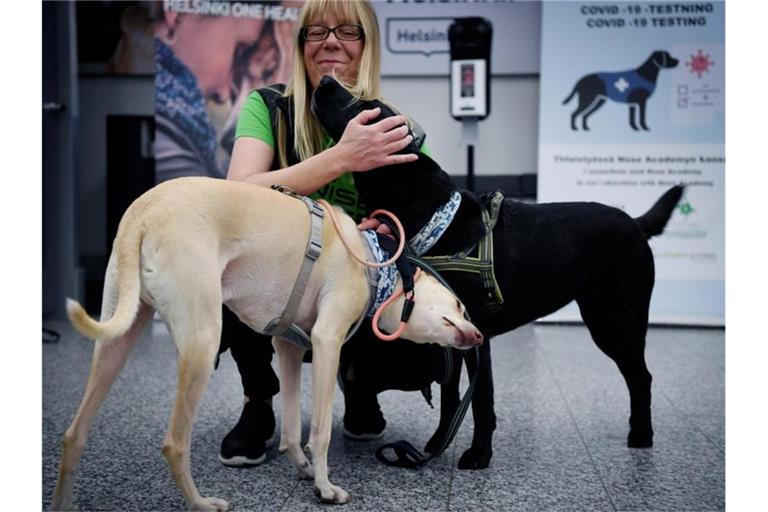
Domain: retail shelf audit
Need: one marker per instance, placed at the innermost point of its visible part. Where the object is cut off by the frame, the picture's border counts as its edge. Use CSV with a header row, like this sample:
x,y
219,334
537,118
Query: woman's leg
x,y
245,444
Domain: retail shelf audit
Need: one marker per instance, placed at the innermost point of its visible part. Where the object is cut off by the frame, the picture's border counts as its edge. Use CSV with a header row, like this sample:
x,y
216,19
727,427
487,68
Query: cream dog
x,y
189,245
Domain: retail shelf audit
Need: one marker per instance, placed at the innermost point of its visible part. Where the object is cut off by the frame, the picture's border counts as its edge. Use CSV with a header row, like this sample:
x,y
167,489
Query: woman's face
x,y
332,55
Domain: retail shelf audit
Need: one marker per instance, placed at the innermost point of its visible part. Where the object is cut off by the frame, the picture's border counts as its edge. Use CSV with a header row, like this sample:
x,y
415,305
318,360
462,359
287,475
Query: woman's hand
x,y
367,146
376,225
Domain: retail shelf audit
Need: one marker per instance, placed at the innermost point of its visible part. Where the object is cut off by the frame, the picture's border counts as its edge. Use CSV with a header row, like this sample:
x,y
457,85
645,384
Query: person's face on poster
x,y
206,45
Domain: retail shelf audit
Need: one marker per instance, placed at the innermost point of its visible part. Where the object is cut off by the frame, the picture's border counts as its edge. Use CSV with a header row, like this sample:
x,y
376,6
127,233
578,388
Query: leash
x,y
405,454
404,316
408,282
352,253
408,456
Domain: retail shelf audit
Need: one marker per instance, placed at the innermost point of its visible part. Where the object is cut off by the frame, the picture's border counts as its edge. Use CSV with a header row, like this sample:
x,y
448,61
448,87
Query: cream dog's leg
x,y
108,359
289,358
196,328
327,338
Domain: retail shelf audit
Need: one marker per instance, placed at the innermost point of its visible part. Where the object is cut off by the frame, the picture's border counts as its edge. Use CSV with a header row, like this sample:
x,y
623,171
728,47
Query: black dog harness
x,y
481,264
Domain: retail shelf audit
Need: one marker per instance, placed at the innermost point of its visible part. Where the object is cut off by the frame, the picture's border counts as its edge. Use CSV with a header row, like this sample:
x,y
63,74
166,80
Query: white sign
x,y
415,35
425,36
632,103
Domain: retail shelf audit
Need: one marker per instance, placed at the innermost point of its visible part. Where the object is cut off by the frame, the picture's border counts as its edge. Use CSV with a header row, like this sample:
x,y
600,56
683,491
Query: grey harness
x,y
284,326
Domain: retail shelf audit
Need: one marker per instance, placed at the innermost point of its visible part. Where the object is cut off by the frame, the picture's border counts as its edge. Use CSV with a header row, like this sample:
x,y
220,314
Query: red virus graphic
x,y
700,63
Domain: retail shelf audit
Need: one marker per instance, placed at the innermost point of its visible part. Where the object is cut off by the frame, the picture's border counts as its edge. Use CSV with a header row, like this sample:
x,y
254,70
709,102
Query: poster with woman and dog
x,y
632,102
208,57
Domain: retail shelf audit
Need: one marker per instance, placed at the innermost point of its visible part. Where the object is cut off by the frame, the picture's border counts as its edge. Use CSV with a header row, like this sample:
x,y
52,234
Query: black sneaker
x,y
246,444
366,426
363,434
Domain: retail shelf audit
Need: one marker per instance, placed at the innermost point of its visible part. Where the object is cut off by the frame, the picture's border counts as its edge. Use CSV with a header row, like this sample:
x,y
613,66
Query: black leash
x,y
405,454
408,456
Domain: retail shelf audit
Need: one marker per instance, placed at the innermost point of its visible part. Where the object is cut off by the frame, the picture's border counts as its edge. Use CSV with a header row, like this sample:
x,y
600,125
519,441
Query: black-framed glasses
x,y
342,32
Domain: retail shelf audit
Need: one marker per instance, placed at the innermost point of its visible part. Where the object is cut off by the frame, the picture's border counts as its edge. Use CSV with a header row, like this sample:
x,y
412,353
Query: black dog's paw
x,y
639,438
640,432
434,442
475,458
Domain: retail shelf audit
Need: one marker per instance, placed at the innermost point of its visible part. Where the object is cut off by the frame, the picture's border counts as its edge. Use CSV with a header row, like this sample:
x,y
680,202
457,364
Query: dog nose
x,y
470,337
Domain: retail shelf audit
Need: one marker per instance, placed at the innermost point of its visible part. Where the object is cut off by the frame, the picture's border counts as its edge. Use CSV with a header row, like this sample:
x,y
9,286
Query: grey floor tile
x,y
539,459
560,444
374,486
685,468
689,372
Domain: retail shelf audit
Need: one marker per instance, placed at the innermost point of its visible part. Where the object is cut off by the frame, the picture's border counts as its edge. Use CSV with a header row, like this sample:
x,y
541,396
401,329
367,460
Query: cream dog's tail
x,y
128,253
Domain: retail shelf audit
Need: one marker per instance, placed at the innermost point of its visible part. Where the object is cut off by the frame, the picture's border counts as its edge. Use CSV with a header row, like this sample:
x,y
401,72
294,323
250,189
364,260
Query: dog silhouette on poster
x,y
633,86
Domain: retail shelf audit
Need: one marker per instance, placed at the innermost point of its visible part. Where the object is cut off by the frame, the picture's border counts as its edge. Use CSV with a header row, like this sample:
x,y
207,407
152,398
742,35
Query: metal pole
x,y
469,136
471,167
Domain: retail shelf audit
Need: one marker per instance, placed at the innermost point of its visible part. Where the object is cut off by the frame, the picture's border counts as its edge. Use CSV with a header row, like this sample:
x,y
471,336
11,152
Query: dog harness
x,y
481,264
381,281
284,326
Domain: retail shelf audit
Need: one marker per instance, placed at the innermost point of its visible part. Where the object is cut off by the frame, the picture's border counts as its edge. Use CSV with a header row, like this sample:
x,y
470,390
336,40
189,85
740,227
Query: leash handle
x,y
406,455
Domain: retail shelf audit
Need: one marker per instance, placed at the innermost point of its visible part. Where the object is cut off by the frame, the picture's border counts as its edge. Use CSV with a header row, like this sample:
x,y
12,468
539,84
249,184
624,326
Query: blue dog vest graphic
x,y
618,86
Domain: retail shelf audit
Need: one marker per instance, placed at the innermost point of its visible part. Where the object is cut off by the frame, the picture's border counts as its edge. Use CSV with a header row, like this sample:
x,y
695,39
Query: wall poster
x,y
632,101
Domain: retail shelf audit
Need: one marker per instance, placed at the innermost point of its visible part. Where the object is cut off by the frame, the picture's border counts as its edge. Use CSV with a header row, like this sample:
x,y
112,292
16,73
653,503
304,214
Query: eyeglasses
x,y
321,33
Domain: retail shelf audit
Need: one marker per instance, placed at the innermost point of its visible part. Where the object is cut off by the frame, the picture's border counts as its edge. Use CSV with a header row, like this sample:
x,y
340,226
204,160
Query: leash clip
x,y
407,308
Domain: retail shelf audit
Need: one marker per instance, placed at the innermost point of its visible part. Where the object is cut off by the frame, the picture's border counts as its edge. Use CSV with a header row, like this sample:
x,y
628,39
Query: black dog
x,y
545,256
633,86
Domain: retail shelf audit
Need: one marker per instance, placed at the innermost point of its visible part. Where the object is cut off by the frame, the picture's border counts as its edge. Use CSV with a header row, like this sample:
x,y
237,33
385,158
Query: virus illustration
x,y
700,63
685,208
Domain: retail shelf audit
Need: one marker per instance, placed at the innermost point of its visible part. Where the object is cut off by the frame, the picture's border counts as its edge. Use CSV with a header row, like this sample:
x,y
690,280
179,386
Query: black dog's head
x,y
663,59
334,106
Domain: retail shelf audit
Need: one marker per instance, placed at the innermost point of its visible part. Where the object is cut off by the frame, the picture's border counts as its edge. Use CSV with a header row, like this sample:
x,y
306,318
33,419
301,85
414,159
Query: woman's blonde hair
x,y
308,134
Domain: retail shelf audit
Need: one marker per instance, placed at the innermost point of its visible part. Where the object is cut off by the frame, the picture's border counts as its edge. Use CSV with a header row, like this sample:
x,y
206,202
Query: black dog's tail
x,y
566,100
654,220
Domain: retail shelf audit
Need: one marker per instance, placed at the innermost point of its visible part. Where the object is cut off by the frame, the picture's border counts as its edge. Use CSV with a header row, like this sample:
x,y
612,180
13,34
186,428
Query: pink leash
x,y
390,261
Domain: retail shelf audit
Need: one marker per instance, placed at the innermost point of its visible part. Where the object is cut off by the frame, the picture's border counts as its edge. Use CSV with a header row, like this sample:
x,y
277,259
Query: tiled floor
x,y
562,411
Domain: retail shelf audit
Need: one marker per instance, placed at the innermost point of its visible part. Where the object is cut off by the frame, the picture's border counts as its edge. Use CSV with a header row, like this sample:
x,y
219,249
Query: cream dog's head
x,y
438,317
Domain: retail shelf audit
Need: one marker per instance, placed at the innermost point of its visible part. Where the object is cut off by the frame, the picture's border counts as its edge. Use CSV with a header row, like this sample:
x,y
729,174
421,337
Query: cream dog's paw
x,y
332,494
306,471
210,503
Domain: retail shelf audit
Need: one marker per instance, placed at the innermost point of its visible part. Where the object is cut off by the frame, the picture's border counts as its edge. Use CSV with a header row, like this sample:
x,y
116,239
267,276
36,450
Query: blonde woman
x,y
279,141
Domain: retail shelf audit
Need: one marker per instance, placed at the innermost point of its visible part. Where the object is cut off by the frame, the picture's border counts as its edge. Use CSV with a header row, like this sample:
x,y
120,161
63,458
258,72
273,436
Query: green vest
x,y
341,191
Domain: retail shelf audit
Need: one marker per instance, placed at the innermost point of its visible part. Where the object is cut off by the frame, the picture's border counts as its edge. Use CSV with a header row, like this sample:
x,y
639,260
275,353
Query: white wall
x,y
508,137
